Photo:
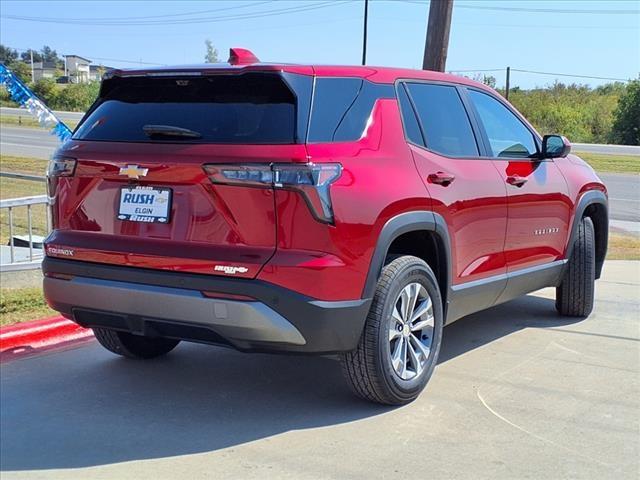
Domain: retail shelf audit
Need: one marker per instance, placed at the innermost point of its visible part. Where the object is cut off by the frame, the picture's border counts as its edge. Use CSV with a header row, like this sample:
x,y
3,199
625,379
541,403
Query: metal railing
x,y
34,258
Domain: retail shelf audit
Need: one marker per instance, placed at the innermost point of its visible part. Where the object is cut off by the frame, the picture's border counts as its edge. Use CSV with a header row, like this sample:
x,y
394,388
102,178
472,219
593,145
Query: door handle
x,y
516,180
441,178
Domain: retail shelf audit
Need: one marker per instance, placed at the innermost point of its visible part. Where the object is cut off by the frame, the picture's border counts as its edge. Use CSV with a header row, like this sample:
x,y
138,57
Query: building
x,y
77,68
44,70
97,71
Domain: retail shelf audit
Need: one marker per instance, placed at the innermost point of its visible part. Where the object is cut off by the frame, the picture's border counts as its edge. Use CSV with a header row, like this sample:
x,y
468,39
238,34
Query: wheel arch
x,y
592,204
410,225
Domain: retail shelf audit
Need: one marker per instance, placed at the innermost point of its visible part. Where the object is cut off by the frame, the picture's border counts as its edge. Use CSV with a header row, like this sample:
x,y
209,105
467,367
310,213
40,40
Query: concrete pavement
x,y
519,393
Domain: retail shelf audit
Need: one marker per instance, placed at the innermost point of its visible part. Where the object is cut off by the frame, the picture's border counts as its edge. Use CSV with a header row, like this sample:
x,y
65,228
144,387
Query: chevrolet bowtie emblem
x,y
133,171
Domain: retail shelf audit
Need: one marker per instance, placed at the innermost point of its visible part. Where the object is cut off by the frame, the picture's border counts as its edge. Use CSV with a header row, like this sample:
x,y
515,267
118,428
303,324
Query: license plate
x,y
145,204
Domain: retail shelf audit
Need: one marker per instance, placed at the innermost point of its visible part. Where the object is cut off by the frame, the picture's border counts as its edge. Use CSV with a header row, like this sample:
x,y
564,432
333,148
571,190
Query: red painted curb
x,y
30,338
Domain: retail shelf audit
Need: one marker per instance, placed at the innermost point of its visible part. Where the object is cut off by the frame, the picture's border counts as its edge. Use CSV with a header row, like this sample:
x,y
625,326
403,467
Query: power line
x,y
537,10
137,62
593,77
187,21
571,75
147,17
477,70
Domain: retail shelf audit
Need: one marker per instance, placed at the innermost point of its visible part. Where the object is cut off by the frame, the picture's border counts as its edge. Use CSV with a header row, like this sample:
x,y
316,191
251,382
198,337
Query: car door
x,y
466,190
538,203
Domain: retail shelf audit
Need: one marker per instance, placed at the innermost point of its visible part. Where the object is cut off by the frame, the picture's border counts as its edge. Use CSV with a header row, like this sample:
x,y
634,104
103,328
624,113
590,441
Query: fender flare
x,y
591,197
405,223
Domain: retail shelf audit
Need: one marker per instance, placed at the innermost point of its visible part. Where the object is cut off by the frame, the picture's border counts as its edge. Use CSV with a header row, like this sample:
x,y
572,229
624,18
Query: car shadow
x,y
86,407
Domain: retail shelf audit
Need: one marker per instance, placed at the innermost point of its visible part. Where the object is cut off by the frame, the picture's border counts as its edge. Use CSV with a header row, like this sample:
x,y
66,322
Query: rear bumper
x,y
170,304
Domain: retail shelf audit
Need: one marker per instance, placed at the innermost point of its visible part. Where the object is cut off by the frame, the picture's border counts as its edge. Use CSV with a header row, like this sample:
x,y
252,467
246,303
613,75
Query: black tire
x,y
368,369
134,346
575,295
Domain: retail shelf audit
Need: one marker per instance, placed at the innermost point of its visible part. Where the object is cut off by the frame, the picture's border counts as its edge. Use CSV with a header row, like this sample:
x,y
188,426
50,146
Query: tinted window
x,y
508,136
236,109
331,99
444,120
409,120
342,107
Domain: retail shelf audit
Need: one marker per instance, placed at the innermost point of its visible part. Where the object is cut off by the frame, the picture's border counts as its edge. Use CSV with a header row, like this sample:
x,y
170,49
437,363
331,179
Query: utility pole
x,y
33,77
364,33
437,42
506,89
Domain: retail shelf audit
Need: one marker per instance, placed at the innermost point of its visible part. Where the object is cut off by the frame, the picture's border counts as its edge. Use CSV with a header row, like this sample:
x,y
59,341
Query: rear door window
x,y
227,109
444,121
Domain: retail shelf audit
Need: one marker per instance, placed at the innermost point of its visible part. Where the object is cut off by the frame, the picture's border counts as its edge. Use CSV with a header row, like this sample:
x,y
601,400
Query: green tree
x,y
489,80
49,55
26,56
47,90
7,55
21,70
212,53
626,117
75,97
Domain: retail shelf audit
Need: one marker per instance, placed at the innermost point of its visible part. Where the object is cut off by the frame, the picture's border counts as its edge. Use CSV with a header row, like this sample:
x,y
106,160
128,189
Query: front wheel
x,y
575,295
399,346
134,346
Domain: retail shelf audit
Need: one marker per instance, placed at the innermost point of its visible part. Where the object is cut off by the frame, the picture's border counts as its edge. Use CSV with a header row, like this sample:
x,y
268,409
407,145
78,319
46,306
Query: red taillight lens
x,y
313,181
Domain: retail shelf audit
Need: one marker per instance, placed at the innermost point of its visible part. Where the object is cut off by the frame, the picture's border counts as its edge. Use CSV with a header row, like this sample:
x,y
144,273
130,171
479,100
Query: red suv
x,y
313,209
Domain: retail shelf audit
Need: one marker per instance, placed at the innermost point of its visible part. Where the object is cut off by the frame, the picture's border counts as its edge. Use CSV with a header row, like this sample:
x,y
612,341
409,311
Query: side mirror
x,y
554,146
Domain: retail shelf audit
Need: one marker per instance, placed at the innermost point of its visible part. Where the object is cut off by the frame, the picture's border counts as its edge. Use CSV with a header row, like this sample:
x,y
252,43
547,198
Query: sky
x,y
591,38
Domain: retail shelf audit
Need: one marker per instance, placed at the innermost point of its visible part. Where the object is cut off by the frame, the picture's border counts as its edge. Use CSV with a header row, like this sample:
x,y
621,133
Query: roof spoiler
x,y
241,56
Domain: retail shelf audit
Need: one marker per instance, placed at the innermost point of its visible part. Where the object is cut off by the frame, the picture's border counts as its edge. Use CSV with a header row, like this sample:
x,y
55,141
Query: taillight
x,y
312,181
61,167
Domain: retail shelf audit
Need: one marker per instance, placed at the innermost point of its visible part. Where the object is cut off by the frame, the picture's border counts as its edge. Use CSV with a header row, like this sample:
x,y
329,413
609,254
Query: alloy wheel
x,y
411,331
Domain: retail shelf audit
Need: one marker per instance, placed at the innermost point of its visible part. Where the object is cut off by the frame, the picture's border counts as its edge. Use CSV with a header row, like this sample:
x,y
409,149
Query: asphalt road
x,y
606,149
27,142
519,392
624,190
16,112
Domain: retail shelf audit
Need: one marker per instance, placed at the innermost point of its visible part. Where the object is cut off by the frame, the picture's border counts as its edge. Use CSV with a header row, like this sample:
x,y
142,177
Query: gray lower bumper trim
x,y
240,321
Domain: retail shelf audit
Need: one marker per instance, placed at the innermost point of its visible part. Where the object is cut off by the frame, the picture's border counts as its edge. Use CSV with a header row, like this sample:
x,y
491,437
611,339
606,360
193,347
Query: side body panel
x,y
378,182
539,212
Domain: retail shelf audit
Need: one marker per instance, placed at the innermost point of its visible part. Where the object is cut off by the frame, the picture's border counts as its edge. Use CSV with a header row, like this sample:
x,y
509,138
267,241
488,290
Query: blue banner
x,y
21,94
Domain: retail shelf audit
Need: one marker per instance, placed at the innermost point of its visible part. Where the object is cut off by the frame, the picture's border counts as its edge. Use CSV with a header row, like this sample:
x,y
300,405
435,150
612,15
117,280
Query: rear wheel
x,y
134,346
400,343
575,295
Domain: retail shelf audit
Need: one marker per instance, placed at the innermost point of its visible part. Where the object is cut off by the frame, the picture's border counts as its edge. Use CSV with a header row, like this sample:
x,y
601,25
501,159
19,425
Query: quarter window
x,y
411,127
508,137
342,107
445,125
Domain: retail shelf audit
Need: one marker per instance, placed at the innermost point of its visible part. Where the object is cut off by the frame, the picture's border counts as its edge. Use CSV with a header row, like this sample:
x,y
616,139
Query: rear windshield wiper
x,y
169,131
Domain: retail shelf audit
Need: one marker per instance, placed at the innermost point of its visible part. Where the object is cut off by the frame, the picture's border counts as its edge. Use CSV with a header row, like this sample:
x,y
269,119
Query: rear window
x,y
229,109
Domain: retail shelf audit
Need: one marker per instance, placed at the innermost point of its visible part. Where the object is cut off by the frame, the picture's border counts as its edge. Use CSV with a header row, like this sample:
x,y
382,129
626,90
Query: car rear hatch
x,y
171,170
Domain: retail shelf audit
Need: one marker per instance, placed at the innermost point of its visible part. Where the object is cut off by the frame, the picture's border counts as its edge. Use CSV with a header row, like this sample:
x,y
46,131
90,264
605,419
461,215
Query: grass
x,y
612,163
13,188
623,247
27,120
35,166
22,305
